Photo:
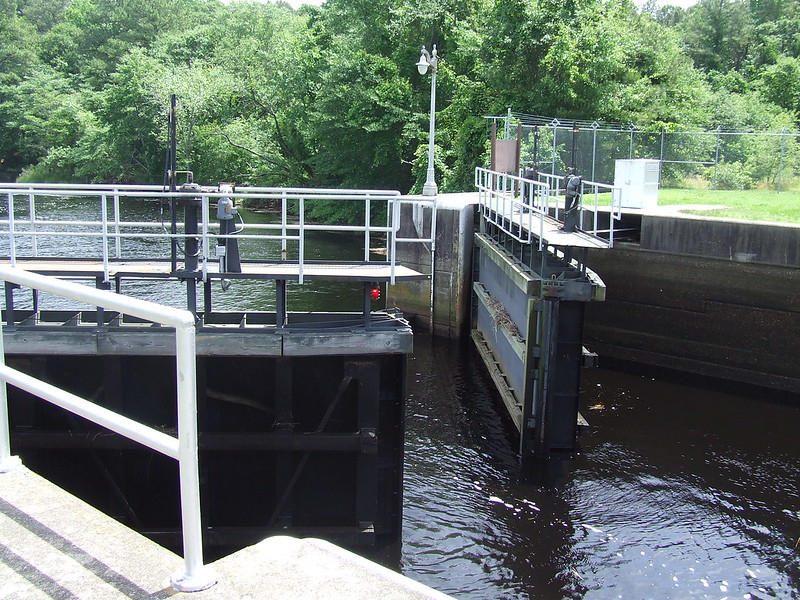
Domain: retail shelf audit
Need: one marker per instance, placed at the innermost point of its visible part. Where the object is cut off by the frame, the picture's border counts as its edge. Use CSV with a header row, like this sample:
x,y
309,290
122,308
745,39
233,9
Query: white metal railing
x,y
110,227
514,204
195,576
518,206
589,189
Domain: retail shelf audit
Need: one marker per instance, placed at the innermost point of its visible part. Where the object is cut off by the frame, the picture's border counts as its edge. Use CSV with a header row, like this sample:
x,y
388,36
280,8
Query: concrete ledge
x,y
53,545
731,239
289,569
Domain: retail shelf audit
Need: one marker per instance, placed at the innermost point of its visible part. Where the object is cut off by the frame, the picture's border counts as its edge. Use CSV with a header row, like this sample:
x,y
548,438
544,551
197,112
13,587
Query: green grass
x,y
751,205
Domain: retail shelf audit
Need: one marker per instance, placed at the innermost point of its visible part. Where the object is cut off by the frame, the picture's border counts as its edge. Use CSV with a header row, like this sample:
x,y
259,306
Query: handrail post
x,y
366,227
195,576
205,202
32,217
118,237
301,244
104,234
7,462
12,250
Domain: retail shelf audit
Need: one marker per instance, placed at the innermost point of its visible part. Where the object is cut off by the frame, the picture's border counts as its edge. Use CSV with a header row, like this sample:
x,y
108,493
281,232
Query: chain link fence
x,y
717,159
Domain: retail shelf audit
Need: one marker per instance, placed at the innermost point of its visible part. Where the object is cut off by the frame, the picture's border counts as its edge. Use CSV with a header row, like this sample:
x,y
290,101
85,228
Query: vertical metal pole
x,y
7,462
784,131
716,155
661,157
204,240
284,210
12,251
630,150
302,242
367,304
555,125
104,235
395,208
430,188
118,244
280,303
32,213
595,126
574,159
366,228
195,577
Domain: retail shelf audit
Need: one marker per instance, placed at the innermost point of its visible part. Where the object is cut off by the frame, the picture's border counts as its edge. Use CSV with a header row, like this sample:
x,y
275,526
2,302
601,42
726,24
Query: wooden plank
x,y
506,394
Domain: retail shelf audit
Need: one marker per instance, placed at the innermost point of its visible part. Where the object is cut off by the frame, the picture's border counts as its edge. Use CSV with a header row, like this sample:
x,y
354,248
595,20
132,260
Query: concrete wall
x,y
452,267
735,240
711,316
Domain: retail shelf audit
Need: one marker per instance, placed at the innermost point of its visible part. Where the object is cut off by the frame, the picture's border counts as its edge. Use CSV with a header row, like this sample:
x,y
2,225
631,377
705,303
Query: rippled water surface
x,y
677,492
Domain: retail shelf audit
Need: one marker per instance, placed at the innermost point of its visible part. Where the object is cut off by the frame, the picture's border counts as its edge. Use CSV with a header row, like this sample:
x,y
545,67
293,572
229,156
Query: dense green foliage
x,y
330,96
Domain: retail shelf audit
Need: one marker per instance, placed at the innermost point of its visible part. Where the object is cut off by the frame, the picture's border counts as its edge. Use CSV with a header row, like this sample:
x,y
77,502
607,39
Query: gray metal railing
x,y
195,575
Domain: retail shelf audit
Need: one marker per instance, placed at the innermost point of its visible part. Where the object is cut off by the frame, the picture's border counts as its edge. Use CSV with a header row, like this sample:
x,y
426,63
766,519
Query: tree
x,y
780,83
17,60
718,34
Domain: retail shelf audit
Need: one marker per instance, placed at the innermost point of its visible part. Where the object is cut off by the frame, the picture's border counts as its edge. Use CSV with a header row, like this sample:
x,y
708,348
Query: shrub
x,y
729,176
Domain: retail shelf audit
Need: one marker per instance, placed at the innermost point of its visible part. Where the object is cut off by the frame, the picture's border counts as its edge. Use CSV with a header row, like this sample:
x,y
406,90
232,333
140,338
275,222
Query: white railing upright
x,y
195,576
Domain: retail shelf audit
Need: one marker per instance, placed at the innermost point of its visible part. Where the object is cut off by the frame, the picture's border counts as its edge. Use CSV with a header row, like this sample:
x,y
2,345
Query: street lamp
x,y
430,59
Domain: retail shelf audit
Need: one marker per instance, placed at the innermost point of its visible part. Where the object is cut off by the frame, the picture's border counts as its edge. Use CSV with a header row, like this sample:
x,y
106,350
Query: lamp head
x,y
423,64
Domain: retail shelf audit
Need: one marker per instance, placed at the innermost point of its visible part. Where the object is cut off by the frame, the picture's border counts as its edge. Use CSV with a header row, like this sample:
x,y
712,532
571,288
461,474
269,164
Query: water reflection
x,y
677,492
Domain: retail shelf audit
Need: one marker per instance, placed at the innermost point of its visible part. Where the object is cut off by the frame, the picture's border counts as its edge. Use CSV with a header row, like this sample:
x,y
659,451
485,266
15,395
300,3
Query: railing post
x,y
283,225
104,233
32,215
366,227
117,238
7,462
195,576
301,244
12,241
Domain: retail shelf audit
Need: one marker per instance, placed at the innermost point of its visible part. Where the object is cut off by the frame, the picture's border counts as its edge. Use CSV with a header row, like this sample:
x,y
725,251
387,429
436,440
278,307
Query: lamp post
x,y
430,59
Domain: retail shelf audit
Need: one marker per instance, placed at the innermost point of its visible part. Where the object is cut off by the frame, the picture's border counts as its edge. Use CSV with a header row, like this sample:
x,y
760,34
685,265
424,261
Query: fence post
x,y
784,131
632,128
554,124
716,155
595,126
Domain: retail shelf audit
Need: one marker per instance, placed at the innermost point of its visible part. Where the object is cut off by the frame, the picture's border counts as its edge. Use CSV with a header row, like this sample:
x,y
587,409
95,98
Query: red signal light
x,y
375,293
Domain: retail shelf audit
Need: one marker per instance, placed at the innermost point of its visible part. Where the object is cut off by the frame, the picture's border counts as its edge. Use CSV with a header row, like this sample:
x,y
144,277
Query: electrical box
x,y
638,178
